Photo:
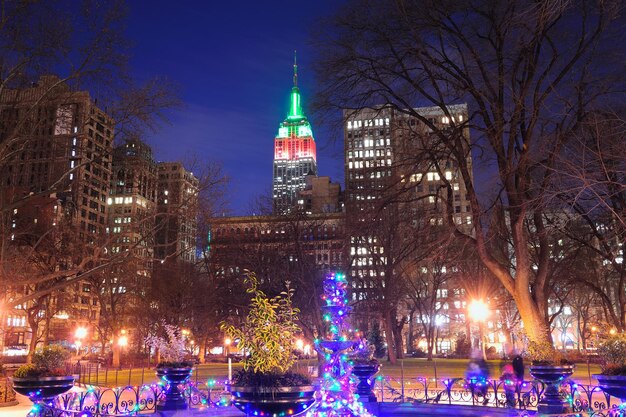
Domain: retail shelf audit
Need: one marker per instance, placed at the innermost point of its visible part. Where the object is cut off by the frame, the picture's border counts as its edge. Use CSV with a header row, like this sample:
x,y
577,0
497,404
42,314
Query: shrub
x,y
613,354
49,361
544,353
51,358
27,371
462,347
268,330
269,379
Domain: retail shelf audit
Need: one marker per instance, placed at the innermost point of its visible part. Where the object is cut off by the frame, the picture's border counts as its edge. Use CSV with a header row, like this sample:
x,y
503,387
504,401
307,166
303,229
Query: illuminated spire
x,y
295,109
295,69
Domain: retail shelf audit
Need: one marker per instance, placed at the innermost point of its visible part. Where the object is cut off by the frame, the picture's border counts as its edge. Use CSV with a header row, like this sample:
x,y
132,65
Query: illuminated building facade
x,y
294,154
60,146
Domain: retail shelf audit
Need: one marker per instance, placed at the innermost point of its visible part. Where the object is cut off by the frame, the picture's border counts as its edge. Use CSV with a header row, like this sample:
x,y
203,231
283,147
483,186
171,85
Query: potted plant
x,y
549,367
266,386
364,366
45,377
172,368
612,352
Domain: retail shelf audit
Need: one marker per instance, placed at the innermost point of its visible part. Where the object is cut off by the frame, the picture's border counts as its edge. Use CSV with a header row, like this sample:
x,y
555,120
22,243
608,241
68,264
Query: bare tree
x,y
530,73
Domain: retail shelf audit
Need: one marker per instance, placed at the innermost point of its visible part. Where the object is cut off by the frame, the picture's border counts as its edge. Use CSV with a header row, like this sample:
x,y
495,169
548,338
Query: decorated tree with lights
x,y
337,389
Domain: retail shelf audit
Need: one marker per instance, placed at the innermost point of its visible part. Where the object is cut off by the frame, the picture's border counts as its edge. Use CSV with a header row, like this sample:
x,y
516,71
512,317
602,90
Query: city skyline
x,y
235,76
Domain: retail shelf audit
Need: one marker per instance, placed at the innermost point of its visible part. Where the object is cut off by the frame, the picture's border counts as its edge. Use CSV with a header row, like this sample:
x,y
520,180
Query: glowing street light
x,y
479,311
80,333
122,341
299,344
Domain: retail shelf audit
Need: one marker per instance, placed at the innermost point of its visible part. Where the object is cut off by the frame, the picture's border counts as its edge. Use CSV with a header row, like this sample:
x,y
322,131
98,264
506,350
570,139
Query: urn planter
x,y
173,398
273,401
43,389
552,401
364,371
614,385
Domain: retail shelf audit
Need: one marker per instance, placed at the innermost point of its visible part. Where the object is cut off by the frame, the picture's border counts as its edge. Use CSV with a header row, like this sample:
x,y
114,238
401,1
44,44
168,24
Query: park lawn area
x,y
455,368
408,369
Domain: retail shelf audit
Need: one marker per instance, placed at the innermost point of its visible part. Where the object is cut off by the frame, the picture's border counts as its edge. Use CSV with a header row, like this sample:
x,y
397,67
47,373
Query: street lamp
x,y
80,334
122,341
227,343
479,311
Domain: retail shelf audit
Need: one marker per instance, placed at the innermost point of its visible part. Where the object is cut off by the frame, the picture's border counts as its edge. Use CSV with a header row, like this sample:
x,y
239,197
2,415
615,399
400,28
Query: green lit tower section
x,y
294,153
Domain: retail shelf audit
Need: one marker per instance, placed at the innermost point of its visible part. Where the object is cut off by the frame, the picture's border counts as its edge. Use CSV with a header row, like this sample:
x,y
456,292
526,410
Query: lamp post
x,y
227,343
478,312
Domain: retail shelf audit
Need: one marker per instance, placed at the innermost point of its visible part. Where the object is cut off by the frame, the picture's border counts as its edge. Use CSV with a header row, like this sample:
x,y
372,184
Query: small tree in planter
x,y
46,377
172,367
551,368
265,384
612,380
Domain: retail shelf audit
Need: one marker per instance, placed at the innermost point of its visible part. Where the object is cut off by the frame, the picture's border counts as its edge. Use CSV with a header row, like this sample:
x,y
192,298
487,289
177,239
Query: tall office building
x,y
132,204
394,186
294,154
55,168
177,208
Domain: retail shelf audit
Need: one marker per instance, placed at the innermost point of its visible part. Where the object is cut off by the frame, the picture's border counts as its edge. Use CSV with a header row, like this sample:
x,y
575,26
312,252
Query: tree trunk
x,y
34,328
391,351
202,350
116,355
533,317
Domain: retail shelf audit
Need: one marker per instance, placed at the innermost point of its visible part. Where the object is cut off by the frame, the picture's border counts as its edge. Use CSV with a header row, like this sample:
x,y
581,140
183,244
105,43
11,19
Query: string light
x,y
337,390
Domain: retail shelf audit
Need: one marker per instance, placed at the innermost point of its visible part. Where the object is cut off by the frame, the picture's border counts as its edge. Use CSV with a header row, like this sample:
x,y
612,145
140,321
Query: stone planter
x,y
173,398
273,401
43,388
364,371
551,401
614,385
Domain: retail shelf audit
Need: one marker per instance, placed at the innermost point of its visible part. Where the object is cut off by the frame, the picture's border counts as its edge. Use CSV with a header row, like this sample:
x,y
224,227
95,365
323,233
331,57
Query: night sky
x,y
233,61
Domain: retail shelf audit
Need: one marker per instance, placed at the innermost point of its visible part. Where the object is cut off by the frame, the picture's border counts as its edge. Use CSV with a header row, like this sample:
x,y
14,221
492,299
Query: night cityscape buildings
x,y
66,191
415,238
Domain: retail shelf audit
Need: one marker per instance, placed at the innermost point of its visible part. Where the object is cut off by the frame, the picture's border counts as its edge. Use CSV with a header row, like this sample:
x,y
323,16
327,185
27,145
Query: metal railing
x,y
130,400
491,393
520,398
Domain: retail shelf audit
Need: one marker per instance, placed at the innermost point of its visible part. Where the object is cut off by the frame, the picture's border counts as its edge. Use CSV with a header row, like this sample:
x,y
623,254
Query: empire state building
x,y
294,153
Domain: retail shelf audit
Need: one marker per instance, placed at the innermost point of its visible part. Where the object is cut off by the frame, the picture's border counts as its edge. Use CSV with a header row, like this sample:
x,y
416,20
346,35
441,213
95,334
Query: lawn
x,y
406,369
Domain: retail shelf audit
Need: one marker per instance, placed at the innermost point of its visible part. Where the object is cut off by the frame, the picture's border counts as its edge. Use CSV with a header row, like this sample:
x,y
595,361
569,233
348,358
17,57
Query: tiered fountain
x,y
336,390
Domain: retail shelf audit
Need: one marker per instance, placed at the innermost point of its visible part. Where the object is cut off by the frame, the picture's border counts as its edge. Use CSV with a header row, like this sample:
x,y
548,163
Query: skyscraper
x,y
294,153
177,208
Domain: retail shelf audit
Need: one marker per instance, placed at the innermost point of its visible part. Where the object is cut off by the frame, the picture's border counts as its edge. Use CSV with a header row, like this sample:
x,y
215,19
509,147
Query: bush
x,y
27,371
544,353
48,361
462,347
51,358
250,378
613,354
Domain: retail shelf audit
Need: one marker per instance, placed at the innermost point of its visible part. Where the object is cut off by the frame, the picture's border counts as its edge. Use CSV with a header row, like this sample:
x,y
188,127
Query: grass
x,y
406,369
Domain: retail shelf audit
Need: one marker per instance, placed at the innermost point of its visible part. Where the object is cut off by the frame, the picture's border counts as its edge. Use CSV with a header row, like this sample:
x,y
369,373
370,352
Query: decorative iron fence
x,y
521,398
130,400
492,393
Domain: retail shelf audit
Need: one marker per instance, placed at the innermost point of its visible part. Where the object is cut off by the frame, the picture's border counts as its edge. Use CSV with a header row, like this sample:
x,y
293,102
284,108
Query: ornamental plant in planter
x,y
46,377
266,386
172,367
612,380
364,366
549,367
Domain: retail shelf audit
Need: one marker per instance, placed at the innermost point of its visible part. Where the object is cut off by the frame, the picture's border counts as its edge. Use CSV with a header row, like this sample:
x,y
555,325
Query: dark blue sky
x,y
233,61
